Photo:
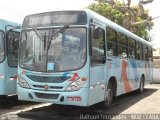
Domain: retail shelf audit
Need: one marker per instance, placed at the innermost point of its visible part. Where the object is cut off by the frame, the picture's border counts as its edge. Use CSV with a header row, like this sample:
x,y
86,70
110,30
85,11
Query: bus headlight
x,y
22,82
76,85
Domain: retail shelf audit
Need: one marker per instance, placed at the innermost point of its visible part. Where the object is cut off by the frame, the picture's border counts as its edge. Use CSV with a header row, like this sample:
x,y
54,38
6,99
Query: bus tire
x,y
141,86
109,96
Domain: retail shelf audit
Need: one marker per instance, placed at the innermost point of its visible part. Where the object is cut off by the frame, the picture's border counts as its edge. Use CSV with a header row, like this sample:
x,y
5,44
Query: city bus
x,y
78,57
9,42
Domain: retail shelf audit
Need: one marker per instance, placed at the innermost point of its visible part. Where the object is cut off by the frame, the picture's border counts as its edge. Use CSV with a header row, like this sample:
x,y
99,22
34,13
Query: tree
x,y
135,19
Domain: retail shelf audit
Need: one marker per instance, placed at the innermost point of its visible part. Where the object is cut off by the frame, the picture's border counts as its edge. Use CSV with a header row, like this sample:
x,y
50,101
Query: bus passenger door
x,y
97,66
12,58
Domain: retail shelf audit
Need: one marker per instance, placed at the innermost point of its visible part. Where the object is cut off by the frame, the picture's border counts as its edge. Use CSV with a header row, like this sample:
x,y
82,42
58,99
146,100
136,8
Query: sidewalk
x,y
149,105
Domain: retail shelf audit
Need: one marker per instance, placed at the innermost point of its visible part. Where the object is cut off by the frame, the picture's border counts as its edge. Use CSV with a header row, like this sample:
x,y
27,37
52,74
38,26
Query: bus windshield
x,y
63,52
1,46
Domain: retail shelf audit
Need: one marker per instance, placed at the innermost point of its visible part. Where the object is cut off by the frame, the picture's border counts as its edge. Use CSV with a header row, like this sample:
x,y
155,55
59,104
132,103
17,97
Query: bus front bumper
x,y
78,98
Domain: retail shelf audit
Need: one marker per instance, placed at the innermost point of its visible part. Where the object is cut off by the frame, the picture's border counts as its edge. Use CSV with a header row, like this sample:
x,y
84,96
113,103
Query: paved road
x,y
132,103
9,104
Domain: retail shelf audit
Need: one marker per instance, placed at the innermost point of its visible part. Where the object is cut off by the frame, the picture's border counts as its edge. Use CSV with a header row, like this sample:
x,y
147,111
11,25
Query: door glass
x,y
1,46
13,44
98,46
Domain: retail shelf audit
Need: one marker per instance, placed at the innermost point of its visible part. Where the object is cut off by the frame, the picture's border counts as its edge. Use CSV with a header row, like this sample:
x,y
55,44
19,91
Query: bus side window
x,y
139,54
132,53
1,46
131,48
145,53
122,51
122,39
13,44
122,45
150,56
98,46
111,42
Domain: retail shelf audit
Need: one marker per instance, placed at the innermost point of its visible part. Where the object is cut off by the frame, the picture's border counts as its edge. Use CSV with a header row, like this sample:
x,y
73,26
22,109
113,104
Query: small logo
x,y
46,87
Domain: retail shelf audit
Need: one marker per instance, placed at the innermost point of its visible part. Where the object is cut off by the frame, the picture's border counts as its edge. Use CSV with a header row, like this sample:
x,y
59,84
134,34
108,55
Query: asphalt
x,y
124,107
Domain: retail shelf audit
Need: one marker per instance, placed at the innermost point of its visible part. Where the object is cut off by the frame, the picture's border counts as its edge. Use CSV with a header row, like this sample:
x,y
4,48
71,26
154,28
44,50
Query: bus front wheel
x,y
109,96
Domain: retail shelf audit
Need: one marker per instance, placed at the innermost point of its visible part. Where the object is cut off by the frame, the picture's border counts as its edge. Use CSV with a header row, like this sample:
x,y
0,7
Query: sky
x,y
154,12
16,10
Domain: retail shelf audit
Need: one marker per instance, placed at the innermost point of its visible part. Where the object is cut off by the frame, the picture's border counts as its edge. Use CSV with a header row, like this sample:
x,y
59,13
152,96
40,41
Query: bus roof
x,y
107,22
4,23
115,26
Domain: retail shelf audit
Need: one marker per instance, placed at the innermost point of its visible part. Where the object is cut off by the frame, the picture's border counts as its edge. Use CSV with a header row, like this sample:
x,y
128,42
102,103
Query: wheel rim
x,y
141,86
109,95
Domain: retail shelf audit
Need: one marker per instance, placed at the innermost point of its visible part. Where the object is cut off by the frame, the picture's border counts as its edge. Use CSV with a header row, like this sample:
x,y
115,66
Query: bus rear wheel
x,y
109,95
141,86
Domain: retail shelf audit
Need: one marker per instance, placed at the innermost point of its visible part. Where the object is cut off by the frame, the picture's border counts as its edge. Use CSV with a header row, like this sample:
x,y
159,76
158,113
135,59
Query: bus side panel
x,y
2,92
143,68
127,84
97,84
148,72
132,72
11,81
136,70
151,71
114,70
2,79
7,83
129,75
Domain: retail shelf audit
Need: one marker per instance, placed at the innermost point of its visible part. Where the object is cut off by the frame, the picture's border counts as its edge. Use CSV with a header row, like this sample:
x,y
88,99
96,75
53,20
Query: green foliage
x,y
107,11
120,17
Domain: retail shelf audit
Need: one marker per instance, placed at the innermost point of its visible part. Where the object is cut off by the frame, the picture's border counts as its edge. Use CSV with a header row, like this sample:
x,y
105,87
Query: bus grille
x,y
51,87
48,79
46,96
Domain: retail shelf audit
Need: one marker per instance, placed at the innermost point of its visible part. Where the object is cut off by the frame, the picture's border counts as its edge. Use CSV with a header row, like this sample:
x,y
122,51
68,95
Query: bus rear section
x,y
9,42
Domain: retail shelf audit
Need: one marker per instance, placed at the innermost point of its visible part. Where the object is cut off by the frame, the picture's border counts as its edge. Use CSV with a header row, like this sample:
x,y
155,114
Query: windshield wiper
x,y
56,35
40,36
